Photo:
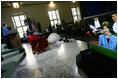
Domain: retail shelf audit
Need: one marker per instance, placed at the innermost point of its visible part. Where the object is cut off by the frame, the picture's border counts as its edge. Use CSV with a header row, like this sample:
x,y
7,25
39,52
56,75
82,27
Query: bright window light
x,y
18,21
76,14
54,17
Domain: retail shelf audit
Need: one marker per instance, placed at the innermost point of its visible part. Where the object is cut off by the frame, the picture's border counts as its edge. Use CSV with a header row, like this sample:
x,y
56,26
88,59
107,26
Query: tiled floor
x,y
56,63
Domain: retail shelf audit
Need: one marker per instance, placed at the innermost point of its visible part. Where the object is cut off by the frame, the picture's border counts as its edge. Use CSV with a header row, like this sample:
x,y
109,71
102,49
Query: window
x,y
76,14
18,21
54,17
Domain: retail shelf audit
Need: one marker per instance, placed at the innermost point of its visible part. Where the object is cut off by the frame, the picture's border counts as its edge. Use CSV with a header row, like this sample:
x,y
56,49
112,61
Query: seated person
x,y
107,39
114,27
37,33
97,23
114,17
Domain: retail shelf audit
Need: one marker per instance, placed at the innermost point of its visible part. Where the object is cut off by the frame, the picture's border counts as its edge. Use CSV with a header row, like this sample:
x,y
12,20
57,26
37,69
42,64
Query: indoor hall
x,y
58,39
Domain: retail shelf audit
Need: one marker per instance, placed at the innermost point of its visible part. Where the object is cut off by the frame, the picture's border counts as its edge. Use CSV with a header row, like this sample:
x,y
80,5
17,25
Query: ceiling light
x,y
73,1
15,5
52,4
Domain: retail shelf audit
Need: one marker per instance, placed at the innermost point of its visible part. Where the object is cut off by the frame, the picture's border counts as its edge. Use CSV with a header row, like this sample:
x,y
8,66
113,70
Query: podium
x,y
13,38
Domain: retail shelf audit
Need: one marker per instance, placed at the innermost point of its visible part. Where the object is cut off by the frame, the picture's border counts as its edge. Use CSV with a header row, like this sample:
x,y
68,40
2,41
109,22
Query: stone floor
x,y
59,62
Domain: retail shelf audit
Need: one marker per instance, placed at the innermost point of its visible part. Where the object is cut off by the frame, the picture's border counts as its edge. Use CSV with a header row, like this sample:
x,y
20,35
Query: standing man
x,y
114,17
4,29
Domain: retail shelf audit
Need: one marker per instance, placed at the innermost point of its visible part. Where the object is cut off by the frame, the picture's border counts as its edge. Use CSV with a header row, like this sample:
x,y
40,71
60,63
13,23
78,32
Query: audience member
x,y
107,39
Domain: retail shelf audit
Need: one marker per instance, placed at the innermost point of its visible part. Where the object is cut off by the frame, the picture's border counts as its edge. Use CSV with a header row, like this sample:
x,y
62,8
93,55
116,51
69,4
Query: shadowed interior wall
x,y
39,13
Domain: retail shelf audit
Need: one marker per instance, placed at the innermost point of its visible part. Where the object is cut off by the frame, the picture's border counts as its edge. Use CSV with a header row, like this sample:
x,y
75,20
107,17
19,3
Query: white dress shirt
x,y
97,23
115,27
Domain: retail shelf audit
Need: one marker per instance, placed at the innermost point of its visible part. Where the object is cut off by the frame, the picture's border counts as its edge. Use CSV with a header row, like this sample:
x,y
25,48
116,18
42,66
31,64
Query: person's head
x,y
114,17
4,25
105,27
96,18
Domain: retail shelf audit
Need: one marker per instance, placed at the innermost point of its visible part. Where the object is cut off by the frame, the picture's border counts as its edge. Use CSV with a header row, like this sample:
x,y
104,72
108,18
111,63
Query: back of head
x,y
3,24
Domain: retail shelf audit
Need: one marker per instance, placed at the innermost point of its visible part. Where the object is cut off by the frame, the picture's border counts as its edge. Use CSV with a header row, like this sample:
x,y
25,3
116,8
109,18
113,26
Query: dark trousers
x,y
2,58
8,42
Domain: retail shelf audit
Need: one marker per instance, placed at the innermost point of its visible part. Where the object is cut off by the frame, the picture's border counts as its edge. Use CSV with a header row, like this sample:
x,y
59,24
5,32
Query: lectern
x,y
13,38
